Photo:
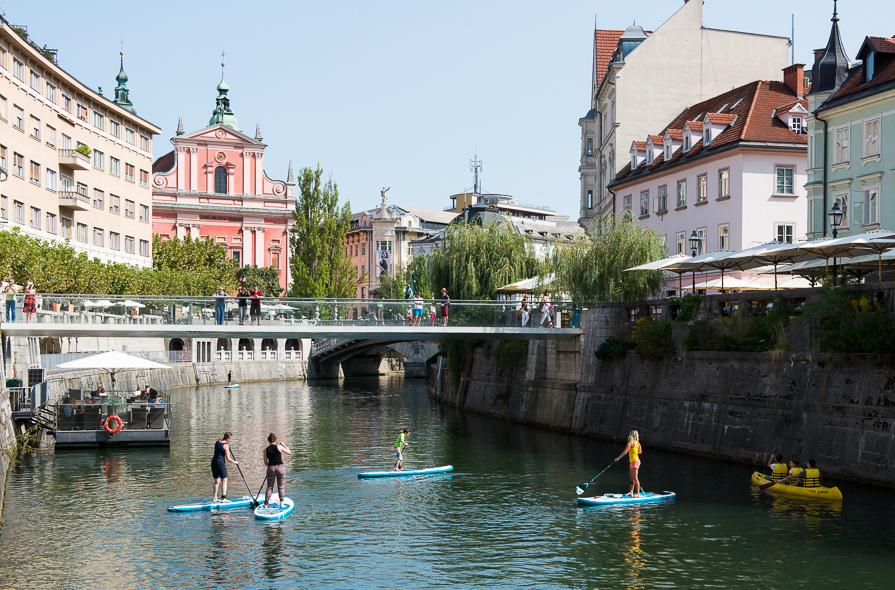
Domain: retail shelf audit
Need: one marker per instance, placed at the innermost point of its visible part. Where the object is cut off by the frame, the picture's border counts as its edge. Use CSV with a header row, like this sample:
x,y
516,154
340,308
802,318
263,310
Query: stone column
x,y
194,169
246,173
259,246
231,176
281,348
181,165
209,178
259,174
182,230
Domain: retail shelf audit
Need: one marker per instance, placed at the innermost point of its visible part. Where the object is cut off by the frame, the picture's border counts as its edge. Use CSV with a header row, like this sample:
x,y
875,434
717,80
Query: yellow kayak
x,y
820,492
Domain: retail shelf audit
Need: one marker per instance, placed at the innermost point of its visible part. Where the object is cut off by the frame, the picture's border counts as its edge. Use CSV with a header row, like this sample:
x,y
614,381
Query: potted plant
x,y
84,149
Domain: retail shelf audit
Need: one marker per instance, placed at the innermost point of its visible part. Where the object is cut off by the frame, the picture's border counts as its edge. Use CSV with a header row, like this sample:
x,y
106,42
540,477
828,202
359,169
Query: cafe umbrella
x,y
112,362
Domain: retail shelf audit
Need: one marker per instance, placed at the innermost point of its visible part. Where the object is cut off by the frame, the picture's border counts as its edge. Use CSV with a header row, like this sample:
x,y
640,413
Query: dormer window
x,y
633,161
797,124
868,67
649,155
667,150
706,135
687,142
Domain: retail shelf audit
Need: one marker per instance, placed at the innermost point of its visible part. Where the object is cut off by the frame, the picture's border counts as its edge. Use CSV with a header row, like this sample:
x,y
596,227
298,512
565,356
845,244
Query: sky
x,y
388,93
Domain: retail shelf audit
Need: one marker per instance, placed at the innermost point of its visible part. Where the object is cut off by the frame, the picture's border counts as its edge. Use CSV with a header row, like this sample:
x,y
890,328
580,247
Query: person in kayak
x,y
219,466
779,469
400,445
809,478
276,471
634,450
794,469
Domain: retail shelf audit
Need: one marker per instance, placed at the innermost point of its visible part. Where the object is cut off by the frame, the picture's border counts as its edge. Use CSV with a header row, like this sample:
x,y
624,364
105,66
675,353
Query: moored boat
x,y
820,492
613,499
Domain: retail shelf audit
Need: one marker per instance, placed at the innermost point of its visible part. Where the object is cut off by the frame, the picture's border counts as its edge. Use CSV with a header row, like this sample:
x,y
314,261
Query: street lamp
x,y
694,245
835,215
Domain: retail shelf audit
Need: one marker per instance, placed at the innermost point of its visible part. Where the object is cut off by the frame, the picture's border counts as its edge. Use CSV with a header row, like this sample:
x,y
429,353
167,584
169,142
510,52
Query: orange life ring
x,y
113,430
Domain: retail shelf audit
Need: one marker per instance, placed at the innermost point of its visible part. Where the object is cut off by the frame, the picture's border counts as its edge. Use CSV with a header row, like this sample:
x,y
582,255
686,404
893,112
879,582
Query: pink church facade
x,y
213,184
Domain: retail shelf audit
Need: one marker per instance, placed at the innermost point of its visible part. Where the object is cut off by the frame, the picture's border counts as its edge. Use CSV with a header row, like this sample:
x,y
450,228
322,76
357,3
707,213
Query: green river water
x,y
505,518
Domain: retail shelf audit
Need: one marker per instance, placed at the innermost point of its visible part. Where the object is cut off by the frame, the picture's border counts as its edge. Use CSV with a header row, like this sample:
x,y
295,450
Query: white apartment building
x,y
76,164
642,80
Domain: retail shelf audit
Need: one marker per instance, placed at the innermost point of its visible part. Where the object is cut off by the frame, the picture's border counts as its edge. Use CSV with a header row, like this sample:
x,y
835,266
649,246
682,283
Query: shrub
x,y
849,323
652,338
612,347
689,304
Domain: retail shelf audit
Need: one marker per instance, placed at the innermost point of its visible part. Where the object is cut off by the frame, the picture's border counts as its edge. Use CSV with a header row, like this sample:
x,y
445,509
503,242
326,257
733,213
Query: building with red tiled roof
x,y
664,71
735,176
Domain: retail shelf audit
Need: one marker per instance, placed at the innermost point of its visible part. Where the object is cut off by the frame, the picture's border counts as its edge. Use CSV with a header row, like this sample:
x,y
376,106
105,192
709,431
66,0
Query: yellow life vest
x,y
812,478
634,452
780,471
795,471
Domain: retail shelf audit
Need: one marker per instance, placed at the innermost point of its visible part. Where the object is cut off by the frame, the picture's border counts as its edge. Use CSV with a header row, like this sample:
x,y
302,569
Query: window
x,y
66,228
114,204
702,185
3,57
18,165
842,200
35,81
51,180
19,212
590,146
384,245
66,102
275,260
51,93
114,241
99,121
724,237
35,127
144,143
4,106
129,172
128,244
130,136
114,166
66,142
82,189
667,151
644,203
869,66
686,142
115,128
18,69
700,250
871,137
50,136
3,163
662,199
590,199
144,248
82,233
236,255
144,213
220,180
785,180
35,218
627,203
681,242
97,237
98,160
18,117
35,173
82,112
871,206
724,183
144,178
128,208
785,232
51,223
681,193
99,200
706,136
797,124
649,154
840,147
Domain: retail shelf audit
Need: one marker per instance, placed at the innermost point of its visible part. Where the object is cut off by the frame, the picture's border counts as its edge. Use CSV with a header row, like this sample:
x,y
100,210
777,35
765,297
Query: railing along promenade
x,y
100,315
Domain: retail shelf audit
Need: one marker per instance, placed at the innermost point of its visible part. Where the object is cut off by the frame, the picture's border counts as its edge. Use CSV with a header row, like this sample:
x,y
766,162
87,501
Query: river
x,y
505,518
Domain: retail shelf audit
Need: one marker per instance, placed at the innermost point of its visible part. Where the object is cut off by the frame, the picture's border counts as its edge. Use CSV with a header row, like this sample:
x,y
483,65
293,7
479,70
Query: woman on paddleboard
x,y
400,445
276,471
219,465
634,450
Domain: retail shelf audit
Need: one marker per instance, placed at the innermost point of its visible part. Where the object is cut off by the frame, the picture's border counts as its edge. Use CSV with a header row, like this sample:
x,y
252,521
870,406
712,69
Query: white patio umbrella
x,y
772,253
129,303
872,242
113,362
664,264
716,260
104,303
87,303
795,283
730,283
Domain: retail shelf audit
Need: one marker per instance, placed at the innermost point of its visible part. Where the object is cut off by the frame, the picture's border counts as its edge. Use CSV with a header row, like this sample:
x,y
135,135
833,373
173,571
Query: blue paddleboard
x,y
406,472
231,386
612,499
274,510
243,502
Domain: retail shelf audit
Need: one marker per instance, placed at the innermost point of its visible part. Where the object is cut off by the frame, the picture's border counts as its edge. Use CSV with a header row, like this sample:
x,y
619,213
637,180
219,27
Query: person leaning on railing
x,y
10,291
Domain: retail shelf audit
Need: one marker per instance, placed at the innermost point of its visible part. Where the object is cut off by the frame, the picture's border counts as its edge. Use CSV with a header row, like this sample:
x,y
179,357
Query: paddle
x,y
580,489
248,489
765,486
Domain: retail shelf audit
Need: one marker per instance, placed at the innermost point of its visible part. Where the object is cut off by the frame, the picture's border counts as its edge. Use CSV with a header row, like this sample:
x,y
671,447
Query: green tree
x,y
419,276
268,278
592,269
319,258
392,286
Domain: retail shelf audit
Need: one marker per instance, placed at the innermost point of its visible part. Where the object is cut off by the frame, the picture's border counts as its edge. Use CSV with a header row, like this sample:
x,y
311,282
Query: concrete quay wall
x,y
837,409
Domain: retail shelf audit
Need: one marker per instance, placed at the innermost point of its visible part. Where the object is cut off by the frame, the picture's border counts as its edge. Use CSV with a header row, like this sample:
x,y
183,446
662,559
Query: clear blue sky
x,y
398,94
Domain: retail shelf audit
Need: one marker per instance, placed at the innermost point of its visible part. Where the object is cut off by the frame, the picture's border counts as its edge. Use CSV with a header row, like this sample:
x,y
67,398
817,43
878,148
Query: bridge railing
x,y
111,309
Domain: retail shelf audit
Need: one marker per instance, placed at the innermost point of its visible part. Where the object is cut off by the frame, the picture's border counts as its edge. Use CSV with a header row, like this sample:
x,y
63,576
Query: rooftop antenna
x,y
792,40
475,165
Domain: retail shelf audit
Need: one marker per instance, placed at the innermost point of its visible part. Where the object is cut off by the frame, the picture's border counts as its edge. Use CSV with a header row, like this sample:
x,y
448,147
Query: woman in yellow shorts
x,y
634,450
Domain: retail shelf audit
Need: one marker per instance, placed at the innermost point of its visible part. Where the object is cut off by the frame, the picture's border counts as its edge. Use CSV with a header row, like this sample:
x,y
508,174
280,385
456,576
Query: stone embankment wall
x,y
7,445
839,410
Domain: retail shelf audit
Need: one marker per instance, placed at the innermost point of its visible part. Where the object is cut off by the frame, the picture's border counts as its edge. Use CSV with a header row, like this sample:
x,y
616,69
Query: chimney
x,y
794,78
819,53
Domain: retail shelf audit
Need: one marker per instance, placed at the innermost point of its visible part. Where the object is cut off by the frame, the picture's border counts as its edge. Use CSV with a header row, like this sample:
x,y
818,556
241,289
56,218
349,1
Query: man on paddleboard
x,y
634,450
400,445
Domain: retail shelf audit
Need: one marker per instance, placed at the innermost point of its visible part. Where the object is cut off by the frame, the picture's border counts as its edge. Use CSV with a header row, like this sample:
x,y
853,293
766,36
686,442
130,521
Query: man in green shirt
x,y
10,290
400,445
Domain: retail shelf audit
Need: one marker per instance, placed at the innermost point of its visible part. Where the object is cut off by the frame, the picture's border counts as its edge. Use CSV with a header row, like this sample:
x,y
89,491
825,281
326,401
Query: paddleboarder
x,y
634,450
219,466
400,445
229,377
276,471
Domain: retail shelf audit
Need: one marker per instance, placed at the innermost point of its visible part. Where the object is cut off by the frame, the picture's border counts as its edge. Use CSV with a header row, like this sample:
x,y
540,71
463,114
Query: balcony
x,y
73,159
74,200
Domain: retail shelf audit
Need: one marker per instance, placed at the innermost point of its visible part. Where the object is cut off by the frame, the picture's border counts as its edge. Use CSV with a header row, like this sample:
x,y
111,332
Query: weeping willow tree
x,y
476,260
592,269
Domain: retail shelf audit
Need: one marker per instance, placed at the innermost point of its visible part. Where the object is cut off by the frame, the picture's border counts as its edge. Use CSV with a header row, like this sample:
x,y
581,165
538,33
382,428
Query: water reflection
x,y
635,557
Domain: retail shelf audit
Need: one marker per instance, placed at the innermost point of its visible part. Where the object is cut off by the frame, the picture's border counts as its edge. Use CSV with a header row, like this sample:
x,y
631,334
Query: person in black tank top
x,y
219,466
276,471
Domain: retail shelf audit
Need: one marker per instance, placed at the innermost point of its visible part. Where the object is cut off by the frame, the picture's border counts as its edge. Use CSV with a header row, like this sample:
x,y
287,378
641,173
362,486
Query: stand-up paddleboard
x,y
405,472
243,502
274,510
612,499
231,386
